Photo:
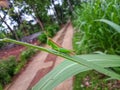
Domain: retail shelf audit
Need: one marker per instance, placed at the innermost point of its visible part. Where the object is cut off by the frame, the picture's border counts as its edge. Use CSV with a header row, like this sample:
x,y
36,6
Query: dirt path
x,y
43,62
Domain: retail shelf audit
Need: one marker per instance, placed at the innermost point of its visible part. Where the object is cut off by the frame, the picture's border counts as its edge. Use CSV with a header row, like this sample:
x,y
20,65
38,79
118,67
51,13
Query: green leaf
x,y
69,68
76,59
112,24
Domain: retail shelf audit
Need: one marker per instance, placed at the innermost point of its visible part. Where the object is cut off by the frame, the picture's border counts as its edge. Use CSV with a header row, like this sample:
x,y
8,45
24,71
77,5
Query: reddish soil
x,y
14,51
11,52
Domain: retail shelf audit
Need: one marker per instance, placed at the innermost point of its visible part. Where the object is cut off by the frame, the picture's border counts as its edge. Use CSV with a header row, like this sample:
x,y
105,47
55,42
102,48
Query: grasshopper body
x,y
57,47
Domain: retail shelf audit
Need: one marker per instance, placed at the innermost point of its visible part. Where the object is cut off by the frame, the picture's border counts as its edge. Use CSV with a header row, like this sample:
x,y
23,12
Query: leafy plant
x,y
10,66
75,64
97,36
92,36
112,24
42,38
19,67
24,57
51,30
7,68
68,68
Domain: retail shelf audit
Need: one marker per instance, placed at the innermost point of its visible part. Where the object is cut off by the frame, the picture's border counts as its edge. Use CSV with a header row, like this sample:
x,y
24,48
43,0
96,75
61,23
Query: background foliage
x,y
93,36
97,36
11,66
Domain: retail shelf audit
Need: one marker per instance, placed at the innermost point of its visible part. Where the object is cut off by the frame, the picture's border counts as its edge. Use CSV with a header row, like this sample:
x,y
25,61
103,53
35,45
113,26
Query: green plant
x,y
97,36
42,38
10,67
51,30
19,67
24,57
73,65
1,88
7,68
89,81
92,36
112,24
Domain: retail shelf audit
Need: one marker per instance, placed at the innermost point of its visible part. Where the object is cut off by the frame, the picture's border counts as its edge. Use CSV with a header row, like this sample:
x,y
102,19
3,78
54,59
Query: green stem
x,y
25,44
74,59
33,46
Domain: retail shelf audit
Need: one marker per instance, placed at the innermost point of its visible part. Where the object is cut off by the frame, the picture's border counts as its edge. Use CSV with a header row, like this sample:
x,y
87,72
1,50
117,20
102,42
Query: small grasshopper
x,y
57,47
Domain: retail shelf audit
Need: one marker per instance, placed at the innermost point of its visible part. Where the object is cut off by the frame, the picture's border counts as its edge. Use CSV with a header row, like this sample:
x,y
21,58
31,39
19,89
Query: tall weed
x,y
94,36
24,57
97,36
7,68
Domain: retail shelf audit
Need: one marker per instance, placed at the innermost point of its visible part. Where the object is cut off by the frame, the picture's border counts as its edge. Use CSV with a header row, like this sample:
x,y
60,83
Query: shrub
x,y
19,67
42,38
24,57
52,30
7,68
10,67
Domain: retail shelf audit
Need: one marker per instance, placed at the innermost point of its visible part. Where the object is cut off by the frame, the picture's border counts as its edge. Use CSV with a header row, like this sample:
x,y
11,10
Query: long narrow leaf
x,y
112,24
68,68
74,59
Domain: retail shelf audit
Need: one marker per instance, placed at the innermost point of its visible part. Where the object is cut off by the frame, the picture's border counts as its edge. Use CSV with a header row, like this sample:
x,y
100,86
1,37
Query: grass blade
x,y
68,68
112,24
76,59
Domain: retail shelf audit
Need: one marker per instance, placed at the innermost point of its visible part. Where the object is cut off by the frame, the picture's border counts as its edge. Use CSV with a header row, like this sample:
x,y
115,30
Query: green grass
x,y
7,68
24,58
98,36
91,36
11,66
93,78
